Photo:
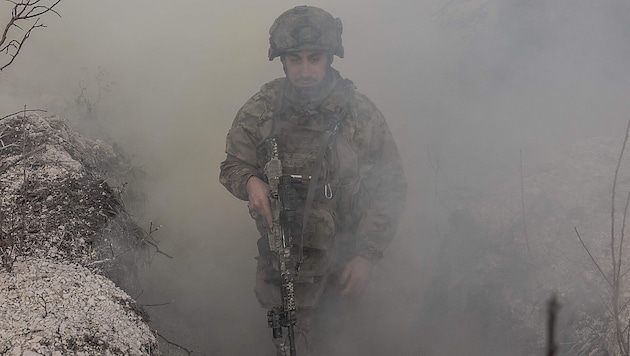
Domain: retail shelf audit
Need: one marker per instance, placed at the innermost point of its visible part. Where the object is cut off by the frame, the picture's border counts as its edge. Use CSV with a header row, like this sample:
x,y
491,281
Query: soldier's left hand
x,y
355,275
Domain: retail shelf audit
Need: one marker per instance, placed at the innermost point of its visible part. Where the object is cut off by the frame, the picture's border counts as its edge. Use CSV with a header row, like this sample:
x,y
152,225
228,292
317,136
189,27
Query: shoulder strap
x,y
272,93
312,186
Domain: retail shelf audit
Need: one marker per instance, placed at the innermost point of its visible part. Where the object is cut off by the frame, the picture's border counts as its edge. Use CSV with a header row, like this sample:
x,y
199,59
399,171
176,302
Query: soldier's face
x,y
306,68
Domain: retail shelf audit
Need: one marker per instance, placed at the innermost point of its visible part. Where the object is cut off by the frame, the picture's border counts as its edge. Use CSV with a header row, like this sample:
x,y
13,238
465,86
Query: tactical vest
x,y
299,136
299,139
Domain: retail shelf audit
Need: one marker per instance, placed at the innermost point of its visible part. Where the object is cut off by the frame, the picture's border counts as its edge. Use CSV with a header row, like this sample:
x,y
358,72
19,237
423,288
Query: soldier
x,y
332,139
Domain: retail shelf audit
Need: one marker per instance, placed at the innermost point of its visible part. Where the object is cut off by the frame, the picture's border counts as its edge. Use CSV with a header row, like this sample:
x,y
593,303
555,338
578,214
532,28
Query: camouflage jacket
x,y
368,167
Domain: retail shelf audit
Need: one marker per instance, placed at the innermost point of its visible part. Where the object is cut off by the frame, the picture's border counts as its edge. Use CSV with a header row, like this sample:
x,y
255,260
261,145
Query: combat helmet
x,y
305,28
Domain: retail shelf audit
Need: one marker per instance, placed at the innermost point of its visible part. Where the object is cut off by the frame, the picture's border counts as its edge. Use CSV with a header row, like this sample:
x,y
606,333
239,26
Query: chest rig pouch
x,y
302,146
302,143
319,174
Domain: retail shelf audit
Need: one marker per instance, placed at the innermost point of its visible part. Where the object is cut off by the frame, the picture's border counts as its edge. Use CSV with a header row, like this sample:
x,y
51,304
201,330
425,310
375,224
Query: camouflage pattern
x,y
361,167
305,28
372,185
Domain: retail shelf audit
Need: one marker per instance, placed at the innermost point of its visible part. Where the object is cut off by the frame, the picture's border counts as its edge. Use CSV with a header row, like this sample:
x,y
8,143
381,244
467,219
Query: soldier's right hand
x,y
258,193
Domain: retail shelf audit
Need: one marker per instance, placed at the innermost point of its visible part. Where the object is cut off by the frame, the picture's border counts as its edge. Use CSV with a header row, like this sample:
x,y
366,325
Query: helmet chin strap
x,y
284,64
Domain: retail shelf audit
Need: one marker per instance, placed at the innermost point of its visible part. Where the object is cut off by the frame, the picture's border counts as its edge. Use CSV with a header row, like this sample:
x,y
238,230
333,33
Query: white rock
x,y
60,317
31,353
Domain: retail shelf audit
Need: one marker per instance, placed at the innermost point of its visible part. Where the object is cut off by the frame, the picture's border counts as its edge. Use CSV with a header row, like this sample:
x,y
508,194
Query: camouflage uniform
x,y
359,196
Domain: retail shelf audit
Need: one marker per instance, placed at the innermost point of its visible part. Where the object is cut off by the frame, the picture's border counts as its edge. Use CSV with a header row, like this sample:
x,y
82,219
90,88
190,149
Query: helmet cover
x,y
305,28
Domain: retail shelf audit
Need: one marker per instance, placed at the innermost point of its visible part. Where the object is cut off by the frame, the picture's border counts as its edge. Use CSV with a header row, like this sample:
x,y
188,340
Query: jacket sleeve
x,y
241,146
383,186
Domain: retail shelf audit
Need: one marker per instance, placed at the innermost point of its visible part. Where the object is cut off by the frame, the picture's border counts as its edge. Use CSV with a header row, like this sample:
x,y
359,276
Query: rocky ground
x,y
68,248
55,308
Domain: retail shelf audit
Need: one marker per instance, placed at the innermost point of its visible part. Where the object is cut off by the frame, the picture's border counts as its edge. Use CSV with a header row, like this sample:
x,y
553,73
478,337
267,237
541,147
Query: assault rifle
x,y
283,201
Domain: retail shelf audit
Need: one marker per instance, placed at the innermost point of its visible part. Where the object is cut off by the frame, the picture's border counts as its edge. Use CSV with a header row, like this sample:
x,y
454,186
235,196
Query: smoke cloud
x,y
467,88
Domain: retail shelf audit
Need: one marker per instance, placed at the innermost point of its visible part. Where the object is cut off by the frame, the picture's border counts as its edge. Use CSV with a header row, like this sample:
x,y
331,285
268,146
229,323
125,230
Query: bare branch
x,y
23,11
43,303
36,11
529,252
157,248
593,259
624,273
155,305
189,352
21,111
623,228
612,208
18,45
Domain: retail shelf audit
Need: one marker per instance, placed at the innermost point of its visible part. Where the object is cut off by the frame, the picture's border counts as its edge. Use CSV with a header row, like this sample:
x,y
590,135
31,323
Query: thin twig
x,y
593,259
623,346
614,189
22,11
154,305
189,352
4,166
43,305
434,163
157,248
529,252
623,229
22,111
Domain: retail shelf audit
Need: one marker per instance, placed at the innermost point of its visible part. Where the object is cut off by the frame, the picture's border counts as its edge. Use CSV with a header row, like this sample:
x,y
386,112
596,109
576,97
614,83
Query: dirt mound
x,y
58,308
60,203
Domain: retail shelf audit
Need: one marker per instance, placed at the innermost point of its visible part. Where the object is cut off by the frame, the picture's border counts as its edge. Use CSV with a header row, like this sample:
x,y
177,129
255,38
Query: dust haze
x,y
468,88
